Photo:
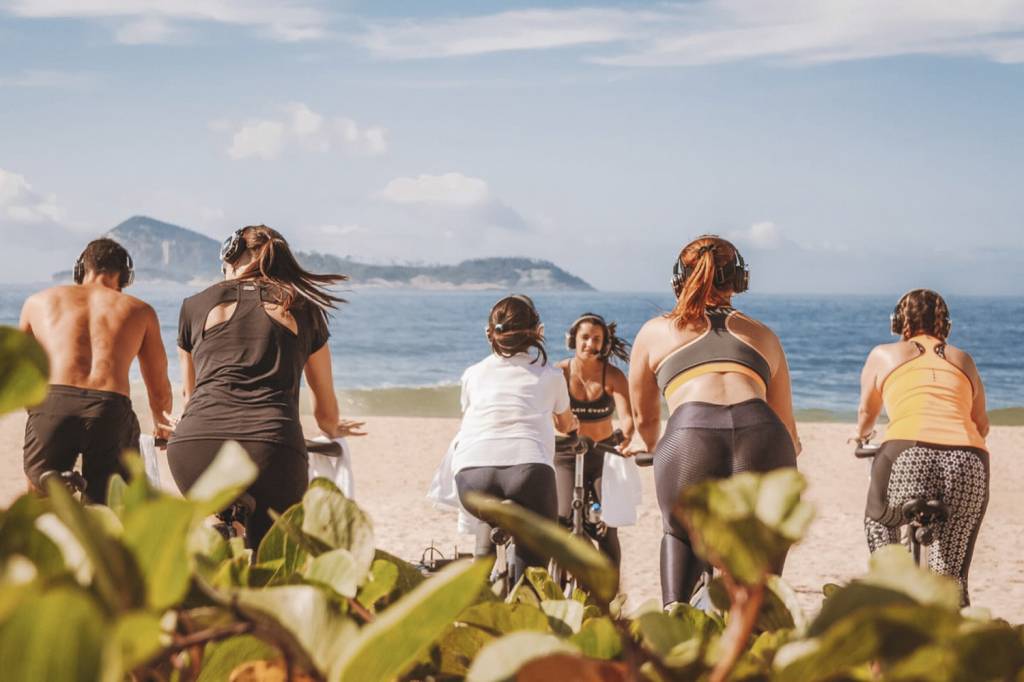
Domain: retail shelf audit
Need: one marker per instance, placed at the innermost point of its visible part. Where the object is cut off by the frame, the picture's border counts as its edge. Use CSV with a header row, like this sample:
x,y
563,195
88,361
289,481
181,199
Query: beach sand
x,y
395,462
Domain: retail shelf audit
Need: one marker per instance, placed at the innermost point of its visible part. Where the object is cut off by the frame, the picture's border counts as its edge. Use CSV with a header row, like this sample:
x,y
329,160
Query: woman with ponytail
x,y
512,401
244,346
725,379
597,391
934,445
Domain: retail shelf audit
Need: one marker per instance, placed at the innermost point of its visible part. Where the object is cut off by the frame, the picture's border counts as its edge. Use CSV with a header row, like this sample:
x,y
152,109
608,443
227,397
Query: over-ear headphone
x,y
897,321
124,280
736,273
606,342
233,246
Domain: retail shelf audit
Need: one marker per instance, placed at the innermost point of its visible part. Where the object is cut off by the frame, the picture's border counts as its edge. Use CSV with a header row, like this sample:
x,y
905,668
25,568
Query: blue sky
x,y
847,146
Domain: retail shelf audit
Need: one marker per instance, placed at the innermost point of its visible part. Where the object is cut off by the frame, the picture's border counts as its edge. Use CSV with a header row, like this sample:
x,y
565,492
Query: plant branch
x,y
743,609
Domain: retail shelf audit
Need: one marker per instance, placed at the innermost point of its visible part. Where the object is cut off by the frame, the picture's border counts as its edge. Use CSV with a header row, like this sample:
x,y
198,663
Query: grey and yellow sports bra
x,y
716,350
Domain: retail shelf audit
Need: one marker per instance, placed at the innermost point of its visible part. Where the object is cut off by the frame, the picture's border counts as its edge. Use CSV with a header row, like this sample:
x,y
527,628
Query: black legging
x,y
529,485
565,480
704,441
957,475
282,480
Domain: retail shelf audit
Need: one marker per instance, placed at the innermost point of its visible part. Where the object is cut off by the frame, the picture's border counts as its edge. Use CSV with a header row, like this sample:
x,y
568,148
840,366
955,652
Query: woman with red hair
x,y
725,379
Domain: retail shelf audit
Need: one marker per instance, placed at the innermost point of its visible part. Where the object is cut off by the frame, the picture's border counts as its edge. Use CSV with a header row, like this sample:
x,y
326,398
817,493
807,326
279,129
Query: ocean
x,y
401,352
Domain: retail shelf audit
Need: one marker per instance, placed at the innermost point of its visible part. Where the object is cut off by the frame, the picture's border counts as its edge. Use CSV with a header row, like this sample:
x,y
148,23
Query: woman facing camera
x,y
934,446
512,400
244,345
597,391
725,379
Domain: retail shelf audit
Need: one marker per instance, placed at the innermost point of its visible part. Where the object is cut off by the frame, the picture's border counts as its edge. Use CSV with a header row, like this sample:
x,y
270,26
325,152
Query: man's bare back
x,y
91,333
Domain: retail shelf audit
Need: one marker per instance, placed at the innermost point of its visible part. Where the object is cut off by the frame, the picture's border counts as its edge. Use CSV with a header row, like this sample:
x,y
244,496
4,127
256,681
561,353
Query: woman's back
x,y
248,366
929,398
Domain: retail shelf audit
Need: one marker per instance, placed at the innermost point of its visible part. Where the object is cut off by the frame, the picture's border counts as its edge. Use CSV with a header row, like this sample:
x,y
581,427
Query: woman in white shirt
x,y
512,401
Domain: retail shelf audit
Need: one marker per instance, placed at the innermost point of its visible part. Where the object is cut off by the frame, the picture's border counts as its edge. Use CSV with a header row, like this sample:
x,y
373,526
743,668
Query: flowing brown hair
x,y
274,262
513,327
702,258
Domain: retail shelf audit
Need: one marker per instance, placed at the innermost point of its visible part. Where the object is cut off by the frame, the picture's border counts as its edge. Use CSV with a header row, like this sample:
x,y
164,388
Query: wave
x,y
442,400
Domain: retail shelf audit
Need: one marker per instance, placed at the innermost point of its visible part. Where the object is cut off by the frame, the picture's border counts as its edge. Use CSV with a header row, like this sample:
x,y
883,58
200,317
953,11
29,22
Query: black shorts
x,y
99,425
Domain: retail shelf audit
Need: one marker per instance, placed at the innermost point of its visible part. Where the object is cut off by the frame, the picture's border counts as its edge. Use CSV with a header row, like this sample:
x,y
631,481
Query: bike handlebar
x,y
576,444
866,450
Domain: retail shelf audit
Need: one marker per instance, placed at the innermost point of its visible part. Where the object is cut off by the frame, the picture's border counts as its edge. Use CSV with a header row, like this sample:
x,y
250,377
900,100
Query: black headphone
x,y
897,321
124,279
570,336
233,246
736,273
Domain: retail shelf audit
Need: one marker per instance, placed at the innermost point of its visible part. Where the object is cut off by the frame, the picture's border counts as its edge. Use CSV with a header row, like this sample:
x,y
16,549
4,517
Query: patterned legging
x,y
904,470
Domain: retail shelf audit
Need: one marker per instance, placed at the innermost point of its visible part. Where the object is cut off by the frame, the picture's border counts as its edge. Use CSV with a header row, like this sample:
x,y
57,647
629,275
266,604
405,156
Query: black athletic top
x,y
593,410
718,346
248,368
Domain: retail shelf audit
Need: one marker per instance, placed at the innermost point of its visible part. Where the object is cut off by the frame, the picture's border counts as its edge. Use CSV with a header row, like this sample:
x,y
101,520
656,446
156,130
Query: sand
x,y
396,461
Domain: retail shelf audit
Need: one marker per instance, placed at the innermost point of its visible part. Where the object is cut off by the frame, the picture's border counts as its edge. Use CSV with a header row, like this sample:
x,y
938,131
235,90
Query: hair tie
x,y
707,247
499,327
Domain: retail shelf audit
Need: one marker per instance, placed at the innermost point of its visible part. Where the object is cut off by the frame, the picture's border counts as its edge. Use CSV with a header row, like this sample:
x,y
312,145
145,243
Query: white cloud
x,y
147,31
260,139
154,20
453,199
309,130
20,203
506,31
450,189
764,235
44,78
717,31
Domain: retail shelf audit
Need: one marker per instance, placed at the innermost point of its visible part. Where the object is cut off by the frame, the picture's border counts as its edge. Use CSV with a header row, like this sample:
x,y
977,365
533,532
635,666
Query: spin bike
x,y
919,515
585,515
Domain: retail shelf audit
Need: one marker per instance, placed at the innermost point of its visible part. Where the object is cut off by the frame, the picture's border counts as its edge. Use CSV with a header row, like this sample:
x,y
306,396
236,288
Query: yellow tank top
x,y
929,399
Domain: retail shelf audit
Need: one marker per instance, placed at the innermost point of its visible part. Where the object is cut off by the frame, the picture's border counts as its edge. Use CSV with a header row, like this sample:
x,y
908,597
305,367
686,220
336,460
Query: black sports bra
x,y
717,349
593,410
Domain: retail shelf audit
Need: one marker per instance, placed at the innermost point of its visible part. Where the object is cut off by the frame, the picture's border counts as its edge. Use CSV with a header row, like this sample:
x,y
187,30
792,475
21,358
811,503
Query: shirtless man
x,y
92,332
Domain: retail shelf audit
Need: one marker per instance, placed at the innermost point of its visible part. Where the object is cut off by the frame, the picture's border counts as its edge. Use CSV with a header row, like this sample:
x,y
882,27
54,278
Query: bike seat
x,y
330,448
72,480
924,512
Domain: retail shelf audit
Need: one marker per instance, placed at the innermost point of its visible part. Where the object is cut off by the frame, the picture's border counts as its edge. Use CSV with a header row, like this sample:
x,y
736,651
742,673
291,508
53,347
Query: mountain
x,y
165,252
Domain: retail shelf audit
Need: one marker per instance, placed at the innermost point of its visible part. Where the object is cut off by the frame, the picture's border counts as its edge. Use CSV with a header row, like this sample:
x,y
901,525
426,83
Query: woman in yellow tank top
x,y
934,446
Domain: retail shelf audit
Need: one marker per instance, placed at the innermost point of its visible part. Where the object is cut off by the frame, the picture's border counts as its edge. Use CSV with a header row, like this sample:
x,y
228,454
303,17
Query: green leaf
x,y
548,539
678,641
117,489
134,639
115,573
339,523
221,658
227,477
459,645
380,583
300,618
987,651
565,615
893,567
409,577
20,536
157,533
24,370
502,658
388,646
500,618
745,524
57,636
284,542
542,582
598,638
337,570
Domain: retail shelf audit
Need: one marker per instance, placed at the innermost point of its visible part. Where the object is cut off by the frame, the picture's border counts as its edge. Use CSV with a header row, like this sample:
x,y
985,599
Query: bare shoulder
x,y
652,327
960,357
745,325
616,377
562,364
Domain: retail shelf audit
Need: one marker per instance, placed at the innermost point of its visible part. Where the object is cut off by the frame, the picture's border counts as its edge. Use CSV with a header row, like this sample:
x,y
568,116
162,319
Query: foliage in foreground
x,y
144,589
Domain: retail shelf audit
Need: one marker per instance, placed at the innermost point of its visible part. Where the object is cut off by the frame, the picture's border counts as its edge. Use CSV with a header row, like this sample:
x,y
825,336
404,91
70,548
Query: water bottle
x,y
594,515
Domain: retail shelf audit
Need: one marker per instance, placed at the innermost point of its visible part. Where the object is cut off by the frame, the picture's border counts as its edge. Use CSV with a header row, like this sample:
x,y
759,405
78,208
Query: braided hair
x,y
615,347
921,311
513,327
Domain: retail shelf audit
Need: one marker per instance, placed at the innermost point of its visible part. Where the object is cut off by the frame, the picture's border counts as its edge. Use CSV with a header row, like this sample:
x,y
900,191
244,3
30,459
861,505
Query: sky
x,y
851,146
